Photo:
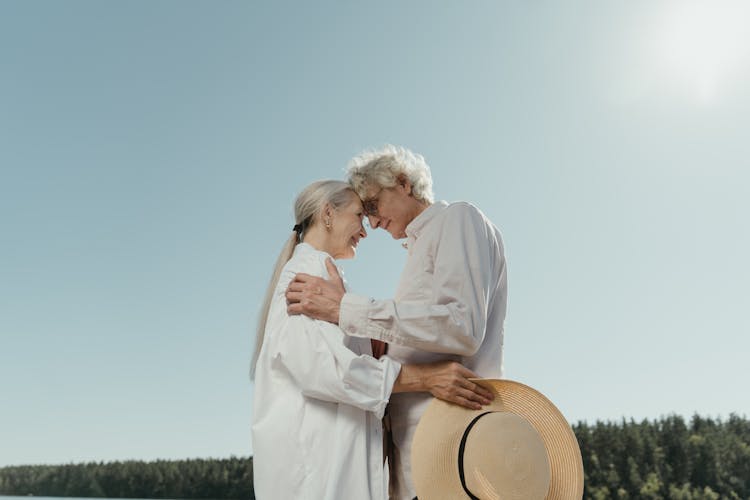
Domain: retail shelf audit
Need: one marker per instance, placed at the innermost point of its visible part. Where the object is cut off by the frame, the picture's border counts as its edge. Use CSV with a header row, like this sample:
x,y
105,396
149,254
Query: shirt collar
x,y
307,249
414,229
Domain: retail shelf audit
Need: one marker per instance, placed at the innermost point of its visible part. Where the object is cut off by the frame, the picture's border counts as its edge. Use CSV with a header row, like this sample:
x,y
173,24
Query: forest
x,y
667,458
230,478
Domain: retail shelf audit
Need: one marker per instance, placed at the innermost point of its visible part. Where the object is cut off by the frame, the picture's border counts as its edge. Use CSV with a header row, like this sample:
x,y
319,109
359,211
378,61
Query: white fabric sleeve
x,y
314,354
455,319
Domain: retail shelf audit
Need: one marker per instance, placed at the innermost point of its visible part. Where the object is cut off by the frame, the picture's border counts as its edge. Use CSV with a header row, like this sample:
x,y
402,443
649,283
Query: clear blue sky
x,y
150,153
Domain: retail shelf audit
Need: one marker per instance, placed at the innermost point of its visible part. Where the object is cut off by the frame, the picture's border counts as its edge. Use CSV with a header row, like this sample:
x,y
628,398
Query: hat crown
x,y
505,457
442,433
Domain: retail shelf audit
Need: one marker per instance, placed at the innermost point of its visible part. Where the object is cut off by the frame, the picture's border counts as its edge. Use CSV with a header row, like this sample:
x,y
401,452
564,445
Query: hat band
x,y
461,455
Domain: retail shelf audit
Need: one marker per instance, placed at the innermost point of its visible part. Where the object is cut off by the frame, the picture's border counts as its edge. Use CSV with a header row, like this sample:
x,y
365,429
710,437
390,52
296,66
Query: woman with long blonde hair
x,y
320,395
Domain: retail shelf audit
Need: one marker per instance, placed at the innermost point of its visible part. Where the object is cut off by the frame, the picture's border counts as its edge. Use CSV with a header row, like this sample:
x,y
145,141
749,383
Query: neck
x,y
422,206
419,207
317,237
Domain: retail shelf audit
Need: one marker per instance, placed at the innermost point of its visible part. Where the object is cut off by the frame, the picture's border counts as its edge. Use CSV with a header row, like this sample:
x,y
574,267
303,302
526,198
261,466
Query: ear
x,y
404,182
327,211
326,216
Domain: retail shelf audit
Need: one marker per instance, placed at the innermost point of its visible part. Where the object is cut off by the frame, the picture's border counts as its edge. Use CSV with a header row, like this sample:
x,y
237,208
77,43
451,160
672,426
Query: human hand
x,y
446,380
316,297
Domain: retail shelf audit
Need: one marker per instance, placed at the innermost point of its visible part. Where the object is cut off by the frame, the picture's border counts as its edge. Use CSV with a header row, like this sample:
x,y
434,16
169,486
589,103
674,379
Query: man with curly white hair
x,y
451,299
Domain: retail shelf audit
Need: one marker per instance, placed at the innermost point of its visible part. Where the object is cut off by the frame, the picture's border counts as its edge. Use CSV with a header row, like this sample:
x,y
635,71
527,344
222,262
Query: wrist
x,y
409,379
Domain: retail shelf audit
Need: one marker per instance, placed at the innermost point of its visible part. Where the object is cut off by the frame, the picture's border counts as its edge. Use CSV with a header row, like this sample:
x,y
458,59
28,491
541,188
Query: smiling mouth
x,y
355,242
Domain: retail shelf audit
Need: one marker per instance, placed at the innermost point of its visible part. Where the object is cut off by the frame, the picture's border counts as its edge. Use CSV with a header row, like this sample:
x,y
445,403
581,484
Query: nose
x,y
362,230
374,221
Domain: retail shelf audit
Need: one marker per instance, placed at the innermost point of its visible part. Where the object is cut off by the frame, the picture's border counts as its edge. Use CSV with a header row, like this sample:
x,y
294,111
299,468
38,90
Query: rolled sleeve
x,y
353,315
324,368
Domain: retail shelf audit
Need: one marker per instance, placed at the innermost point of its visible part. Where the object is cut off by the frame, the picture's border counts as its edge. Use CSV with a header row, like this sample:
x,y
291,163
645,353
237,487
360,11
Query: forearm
x,y
446,380
410,379
444,328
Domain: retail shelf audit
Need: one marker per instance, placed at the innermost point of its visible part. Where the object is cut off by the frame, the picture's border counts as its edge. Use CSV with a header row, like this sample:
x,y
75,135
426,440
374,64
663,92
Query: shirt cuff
x,y
391,369
353,314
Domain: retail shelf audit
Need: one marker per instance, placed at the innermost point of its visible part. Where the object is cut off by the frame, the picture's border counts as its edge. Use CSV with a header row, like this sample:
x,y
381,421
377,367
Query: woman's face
x,y
346,229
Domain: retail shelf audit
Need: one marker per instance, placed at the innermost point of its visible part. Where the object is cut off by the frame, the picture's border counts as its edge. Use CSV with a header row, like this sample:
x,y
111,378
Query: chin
x,y
348,255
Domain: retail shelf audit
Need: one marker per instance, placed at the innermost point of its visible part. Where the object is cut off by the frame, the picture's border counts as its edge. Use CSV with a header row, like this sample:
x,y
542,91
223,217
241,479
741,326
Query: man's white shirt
x,y
450,304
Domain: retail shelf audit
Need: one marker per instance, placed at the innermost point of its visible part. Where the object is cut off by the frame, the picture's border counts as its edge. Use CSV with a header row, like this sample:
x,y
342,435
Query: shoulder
x,y
465,218
306,260
462,211
462,207
303,260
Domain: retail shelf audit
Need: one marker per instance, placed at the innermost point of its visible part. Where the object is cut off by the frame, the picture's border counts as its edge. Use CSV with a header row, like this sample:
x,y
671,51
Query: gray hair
x,y
383,167
307,210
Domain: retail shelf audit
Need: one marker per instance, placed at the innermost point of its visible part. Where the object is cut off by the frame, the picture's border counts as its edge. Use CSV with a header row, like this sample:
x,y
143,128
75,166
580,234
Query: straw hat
x,y
518,447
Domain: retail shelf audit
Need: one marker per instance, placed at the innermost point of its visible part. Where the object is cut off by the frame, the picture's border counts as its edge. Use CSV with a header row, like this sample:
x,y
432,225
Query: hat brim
x,y
434,458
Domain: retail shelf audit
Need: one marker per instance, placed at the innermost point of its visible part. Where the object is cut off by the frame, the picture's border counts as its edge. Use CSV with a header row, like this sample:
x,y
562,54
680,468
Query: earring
x,y
328,223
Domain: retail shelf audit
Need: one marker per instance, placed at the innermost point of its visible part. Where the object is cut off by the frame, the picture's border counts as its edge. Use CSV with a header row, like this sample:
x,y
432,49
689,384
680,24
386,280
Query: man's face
x,y
391,209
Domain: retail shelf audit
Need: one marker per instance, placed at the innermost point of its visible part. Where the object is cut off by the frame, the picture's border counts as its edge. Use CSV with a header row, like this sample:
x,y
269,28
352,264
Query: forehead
x,y
371,190
354,202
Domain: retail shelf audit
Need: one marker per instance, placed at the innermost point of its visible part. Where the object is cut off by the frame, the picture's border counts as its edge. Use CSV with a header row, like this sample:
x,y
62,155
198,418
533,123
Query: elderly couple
x,y
329,363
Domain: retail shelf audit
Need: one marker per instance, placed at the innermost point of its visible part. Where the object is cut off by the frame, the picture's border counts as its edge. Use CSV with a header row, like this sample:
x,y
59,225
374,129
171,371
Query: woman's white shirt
x,y
319,399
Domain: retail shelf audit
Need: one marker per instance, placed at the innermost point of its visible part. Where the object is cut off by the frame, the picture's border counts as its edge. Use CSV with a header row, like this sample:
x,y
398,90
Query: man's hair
x,y
381,168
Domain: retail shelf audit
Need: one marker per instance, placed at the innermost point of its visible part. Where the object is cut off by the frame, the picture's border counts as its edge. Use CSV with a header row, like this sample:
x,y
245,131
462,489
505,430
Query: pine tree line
x,y
704,459
196,479
668,458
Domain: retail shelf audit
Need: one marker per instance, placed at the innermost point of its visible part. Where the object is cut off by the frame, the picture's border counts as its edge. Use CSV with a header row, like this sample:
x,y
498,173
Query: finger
x,y
293,297
294,309
479,390
304,278
468,390
296,286
473,396
466,403
333,271
465,372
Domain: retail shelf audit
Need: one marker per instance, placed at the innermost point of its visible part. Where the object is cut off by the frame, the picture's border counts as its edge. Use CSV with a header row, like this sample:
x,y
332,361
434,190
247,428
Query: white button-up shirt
x,y
450,304
319,400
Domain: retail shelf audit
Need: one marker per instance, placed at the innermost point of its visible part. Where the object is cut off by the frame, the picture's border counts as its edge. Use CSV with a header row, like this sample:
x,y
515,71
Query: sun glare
x,y
703,45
